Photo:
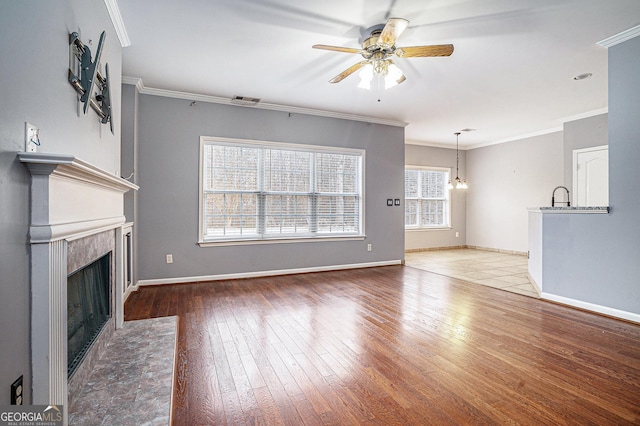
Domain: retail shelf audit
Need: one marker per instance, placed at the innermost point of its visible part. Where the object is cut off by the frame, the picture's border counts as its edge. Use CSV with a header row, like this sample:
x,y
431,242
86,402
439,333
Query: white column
x,y
49,322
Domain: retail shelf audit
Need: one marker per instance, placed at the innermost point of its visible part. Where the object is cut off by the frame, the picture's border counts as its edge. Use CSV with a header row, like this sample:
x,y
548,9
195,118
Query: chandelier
x,y
459,183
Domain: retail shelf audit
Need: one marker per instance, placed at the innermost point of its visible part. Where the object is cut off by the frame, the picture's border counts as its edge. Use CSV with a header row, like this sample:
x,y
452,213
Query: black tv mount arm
x,y
90,78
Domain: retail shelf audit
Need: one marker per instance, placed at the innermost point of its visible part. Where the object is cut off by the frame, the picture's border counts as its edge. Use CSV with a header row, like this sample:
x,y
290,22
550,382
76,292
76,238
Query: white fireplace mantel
x,y
76,197
70,199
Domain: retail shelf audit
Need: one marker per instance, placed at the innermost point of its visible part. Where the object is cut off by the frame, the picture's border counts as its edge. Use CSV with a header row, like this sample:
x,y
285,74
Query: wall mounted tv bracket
x,y
90,79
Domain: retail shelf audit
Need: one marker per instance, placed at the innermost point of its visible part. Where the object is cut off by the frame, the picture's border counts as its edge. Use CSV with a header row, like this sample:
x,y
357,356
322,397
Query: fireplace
x,y
88,308
76,218
81,254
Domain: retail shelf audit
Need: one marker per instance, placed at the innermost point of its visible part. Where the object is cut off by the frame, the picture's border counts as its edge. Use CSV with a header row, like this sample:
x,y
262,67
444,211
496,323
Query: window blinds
x,y
274,192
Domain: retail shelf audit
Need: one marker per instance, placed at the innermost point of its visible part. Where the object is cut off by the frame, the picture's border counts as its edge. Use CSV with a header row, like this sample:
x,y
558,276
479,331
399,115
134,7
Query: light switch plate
x,y
16,392
31,139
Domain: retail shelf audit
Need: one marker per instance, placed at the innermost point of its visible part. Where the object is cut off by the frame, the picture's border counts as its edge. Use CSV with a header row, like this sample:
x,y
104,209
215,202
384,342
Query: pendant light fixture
x,y
459,183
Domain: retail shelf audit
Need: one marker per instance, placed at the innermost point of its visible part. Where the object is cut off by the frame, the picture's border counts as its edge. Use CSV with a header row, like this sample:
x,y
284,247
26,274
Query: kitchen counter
x,y
536,219
565,210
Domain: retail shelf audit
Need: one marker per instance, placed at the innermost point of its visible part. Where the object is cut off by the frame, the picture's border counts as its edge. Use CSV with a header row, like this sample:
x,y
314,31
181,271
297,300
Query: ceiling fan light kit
x,y
387,69
377,51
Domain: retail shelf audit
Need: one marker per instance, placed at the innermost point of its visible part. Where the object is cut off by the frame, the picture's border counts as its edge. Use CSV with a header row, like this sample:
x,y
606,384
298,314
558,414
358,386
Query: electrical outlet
x,y
31,137
169,258
368,247
457,234
16,392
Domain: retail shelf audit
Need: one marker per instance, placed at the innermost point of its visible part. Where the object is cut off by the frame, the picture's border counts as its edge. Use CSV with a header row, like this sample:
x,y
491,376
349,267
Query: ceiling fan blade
x,y
346,73
336,48
391,32
425,51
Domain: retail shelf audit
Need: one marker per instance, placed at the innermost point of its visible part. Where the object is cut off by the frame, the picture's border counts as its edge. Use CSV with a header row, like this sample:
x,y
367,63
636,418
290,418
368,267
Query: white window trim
x,y
421,228
202,242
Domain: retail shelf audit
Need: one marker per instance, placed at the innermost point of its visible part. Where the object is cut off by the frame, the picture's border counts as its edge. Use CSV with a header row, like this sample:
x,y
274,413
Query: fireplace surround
x,y
76,213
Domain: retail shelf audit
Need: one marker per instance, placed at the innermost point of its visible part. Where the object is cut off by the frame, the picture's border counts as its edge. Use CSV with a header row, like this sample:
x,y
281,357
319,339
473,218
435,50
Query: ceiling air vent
x,y
244,100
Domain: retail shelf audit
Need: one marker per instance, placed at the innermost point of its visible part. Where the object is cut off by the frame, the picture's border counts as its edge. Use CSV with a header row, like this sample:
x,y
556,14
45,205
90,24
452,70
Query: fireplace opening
x,y
88,308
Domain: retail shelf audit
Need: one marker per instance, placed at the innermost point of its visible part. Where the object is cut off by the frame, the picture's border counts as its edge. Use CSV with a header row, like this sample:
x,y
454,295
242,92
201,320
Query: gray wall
x,y
416,155
34,48
594,258
129,161
128,152
579,134
505,180
169,132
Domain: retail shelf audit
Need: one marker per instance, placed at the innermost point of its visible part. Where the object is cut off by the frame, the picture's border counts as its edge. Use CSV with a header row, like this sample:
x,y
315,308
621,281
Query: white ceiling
x,y
511,74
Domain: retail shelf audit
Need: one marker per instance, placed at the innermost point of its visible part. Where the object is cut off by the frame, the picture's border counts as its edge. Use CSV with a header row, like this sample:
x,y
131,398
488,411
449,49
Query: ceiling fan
x,y
377,51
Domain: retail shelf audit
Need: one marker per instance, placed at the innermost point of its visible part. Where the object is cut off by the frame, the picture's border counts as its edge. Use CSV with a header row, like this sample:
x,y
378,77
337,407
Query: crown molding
x,y
468,147
587,114
118,23
621,37
262,105
516,138
133,81
560,128
434,144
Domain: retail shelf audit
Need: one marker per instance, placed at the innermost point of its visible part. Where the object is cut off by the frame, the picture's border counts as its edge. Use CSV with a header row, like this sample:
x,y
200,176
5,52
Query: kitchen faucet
x,y
553,199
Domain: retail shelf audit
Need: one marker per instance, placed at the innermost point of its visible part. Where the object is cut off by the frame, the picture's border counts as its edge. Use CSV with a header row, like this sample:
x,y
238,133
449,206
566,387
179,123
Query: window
x,y
252,190
426,198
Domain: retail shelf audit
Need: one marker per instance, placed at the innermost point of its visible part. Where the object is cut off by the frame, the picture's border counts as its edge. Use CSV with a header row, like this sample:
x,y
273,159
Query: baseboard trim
x,y
534,284
495,250
592,307
417,250
258,274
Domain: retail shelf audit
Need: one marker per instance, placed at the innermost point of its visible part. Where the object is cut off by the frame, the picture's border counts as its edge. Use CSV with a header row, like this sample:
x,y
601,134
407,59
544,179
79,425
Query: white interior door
x,y
591,176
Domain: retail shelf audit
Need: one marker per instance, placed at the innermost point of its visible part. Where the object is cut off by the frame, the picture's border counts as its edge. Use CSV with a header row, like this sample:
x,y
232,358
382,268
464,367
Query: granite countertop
x,y
565,209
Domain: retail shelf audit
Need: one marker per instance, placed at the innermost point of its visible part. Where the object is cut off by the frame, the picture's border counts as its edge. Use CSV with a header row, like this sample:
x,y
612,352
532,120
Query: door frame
x,y
576,152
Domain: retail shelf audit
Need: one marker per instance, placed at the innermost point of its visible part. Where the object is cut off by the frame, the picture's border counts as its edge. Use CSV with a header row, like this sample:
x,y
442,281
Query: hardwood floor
x,y
390,345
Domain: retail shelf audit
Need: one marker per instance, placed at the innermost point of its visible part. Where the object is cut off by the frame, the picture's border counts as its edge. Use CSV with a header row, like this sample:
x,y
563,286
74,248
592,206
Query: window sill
x,y
279,241
443,228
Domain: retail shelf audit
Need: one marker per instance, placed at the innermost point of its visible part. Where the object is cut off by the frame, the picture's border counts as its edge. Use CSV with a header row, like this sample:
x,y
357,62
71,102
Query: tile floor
x,y
131,383
500,270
